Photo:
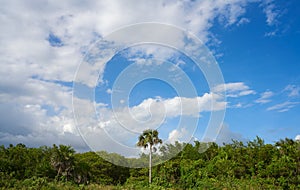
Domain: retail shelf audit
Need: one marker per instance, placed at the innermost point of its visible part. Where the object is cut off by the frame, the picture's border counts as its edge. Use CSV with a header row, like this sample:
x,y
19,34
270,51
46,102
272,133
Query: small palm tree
x,y
149,138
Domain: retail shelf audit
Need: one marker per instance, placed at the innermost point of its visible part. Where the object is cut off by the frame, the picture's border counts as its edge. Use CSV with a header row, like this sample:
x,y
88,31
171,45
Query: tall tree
x,y
62,159
149,138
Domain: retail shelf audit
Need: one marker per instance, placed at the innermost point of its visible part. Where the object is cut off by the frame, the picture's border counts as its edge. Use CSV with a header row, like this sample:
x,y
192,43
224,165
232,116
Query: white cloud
x,y
226,135
121,125
243,21
234,89
270,34
238,105
34,72
297,138
109,91
25,38
151,113
177,135
150,54
265,97
271,11
283,107
293,90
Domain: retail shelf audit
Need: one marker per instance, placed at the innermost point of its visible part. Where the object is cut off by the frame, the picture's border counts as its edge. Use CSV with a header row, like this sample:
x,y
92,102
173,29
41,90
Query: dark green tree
x,y
62,159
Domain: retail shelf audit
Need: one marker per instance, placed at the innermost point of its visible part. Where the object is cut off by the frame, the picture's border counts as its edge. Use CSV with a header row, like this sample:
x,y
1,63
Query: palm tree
x,y
62,159
149,138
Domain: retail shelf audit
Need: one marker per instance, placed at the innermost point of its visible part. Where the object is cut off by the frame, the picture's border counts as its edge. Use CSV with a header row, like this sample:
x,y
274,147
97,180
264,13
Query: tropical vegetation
x,y
238,165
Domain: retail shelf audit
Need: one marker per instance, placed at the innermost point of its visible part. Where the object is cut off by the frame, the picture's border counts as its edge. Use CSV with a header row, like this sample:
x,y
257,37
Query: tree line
x,y
238,165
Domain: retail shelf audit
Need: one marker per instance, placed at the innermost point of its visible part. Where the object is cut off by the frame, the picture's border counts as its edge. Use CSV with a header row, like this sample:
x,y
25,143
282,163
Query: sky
x,y
83,73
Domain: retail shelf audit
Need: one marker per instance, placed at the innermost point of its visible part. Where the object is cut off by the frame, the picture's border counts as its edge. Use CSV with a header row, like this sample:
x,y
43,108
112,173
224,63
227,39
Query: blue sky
x,y
47,47
265,63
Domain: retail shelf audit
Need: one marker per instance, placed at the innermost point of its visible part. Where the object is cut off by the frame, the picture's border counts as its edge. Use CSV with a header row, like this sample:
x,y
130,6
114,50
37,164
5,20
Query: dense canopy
x,y
251,165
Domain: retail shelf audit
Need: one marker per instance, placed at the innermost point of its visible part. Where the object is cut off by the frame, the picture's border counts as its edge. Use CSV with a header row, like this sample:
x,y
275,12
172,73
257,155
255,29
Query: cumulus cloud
x,y
297,138
177,135
151,113
122,123
41,50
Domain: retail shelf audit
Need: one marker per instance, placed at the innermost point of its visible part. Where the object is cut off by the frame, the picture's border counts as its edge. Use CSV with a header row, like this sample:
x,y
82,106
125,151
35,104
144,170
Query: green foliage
x,y
63,161
251,165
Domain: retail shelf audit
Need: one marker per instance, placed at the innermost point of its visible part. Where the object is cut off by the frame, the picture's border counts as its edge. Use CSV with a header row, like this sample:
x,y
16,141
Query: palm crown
x,y
149,137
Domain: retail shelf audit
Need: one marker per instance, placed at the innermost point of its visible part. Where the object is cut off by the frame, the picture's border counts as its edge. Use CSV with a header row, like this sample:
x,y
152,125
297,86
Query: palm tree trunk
x,y
150,164
58,173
